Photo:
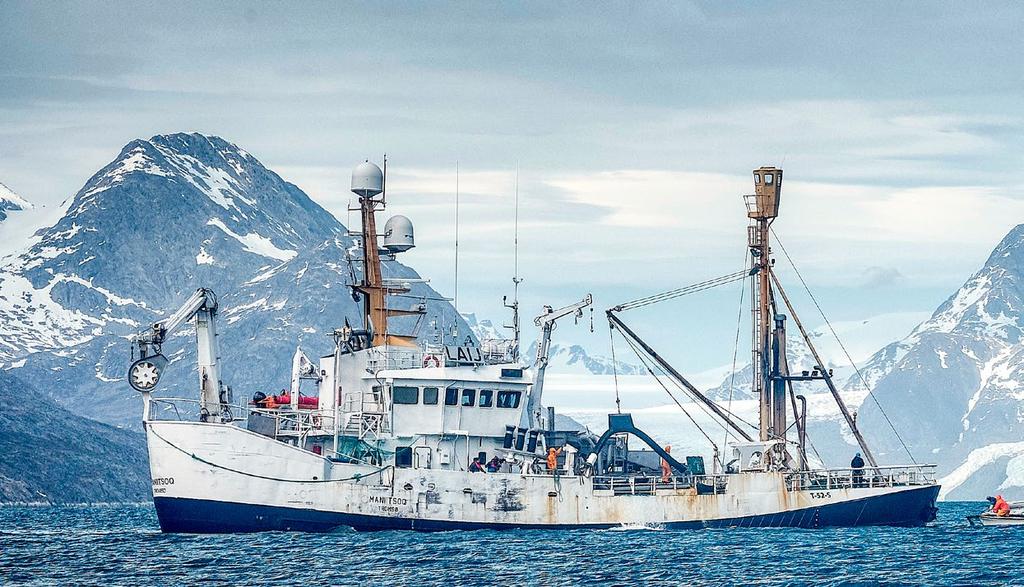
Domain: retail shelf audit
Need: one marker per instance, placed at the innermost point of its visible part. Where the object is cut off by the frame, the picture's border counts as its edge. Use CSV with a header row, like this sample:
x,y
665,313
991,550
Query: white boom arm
x,y
546,322
145,372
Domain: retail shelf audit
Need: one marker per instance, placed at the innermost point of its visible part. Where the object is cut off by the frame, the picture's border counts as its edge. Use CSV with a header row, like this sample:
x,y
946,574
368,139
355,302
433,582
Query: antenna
x,y
516,280
456,300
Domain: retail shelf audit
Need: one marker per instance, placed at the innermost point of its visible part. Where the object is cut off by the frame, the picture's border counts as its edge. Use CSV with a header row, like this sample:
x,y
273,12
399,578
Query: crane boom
x,y
145,372
546,322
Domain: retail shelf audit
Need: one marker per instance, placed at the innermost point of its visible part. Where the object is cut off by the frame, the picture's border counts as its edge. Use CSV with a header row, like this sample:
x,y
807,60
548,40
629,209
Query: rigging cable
x,y
736,347
658,379
728,415
615,368
687,392
682,291
843,347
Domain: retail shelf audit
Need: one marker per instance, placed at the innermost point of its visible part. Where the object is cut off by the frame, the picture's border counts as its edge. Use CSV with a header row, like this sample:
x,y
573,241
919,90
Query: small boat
x,y
990,518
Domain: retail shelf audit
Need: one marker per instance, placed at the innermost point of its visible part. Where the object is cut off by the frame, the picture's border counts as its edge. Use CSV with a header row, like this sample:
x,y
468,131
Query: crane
x,y
546,322
145,371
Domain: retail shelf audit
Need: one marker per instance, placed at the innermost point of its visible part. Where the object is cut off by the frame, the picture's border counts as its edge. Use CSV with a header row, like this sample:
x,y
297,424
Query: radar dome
x,y
367,180
398,234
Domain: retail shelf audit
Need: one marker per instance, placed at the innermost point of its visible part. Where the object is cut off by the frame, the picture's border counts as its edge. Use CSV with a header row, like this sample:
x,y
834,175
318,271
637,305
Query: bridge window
x,y
486,398
405,395
509,399
468,397
430,396
768,178
451,397
757,178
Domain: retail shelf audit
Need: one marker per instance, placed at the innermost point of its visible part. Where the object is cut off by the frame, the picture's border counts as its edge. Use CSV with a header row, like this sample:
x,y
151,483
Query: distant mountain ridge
x,y
166,216
10,201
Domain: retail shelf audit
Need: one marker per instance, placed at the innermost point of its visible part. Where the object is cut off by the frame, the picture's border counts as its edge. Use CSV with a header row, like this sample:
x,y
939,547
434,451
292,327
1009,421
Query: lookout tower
x,y
764,203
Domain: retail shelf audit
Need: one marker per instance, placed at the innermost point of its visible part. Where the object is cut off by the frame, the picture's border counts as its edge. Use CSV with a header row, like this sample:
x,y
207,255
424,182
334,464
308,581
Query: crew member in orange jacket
x,y
553,458
666,469
1000,507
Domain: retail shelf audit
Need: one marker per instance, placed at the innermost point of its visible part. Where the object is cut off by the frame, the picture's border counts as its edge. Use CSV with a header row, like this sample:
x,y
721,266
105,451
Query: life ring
x,y
431,361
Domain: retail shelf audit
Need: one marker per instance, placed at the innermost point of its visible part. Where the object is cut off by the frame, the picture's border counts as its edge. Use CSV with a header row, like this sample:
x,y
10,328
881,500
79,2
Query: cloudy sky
x,y
634,126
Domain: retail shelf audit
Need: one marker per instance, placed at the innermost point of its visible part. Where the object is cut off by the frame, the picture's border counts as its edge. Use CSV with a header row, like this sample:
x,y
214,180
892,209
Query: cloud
x,y
876,276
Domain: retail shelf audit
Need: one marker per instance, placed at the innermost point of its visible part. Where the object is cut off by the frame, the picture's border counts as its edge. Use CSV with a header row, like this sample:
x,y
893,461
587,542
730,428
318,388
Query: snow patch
x,y
255,243
204,258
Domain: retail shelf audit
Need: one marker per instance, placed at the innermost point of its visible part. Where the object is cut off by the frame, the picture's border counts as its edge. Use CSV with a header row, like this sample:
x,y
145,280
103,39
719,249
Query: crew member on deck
x,y
475,466
495,465
553,459
857,464
666,469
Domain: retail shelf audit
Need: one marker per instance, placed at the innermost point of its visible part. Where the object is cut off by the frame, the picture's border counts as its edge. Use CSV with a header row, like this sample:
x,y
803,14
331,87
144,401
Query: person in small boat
x,y
553,459
857,473
475,466
1001,507
666,469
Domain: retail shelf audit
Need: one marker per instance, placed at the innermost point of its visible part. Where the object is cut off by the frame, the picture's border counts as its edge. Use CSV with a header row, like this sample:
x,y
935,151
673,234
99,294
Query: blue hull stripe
x,y
907,508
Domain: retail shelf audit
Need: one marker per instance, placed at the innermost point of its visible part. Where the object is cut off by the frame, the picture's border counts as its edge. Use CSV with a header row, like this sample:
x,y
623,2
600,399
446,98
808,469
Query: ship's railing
x,y
650,485
894,476
388,357
276,422
493,351
497,350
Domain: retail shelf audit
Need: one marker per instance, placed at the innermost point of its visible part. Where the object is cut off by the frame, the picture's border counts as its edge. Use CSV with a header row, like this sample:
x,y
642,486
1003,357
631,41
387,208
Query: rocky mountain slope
x,y
166,216
954,387
67,459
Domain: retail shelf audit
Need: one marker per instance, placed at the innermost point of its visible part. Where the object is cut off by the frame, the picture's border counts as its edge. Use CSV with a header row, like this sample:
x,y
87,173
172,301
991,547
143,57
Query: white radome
x,y
367,179
398,234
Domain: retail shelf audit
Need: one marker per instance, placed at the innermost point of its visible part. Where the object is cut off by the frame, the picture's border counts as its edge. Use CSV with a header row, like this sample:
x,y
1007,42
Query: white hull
x,y
217,477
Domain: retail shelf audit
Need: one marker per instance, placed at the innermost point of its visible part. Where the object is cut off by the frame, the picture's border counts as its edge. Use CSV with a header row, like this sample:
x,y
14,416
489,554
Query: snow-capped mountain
x,y
563,359
168,215
954,387
11,202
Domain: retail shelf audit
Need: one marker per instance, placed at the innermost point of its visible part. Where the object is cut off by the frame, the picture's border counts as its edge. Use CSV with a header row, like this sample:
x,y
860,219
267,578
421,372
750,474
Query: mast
x,y
768,329
771,377
368,184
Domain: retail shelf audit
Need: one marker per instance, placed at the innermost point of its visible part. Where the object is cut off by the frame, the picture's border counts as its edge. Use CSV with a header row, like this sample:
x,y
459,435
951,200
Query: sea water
x,y
122,545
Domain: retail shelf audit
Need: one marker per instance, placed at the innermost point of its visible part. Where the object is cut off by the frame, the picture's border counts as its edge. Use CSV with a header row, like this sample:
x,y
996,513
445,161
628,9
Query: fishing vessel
x,y
405,434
